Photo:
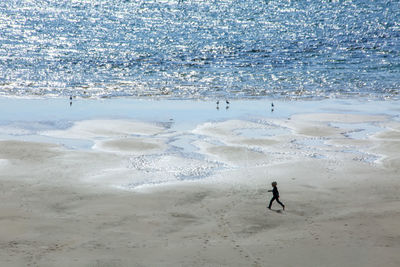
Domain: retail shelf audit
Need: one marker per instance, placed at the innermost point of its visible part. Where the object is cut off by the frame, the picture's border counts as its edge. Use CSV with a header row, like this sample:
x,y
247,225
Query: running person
x,y
275,196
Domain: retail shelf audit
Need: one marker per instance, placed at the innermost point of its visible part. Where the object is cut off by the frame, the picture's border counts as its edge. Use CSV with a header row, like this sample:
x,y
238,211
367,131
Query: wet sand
x,y
148,192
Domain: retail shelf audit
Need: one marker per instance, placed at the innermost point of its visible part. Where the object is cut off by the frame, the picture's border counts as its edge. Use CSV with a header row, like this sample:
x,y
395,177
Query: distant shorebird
x,y
217,102
272,104
227,102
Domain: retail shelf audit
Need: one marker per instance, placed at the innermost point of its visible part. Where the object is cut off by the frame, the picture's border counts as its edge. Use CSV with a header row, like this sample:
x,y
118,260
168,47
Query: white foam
x,y
147,170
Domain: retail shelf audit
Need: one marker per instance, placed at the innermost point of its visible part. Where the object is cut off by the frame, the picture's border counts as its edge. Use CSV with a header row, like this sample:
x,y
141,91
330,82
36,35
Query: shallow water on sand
x,y
168,141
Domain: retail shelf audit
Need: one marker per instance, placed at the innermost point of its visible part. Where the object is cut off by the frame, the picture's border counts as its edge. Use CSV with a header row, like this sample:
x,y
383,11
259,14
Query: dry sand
x,y
62,207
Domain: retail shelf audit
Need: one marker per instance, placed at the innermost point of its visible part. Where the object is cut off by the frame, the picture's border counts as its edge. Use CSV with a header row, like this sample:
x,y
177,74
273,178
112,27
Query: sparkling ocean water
x,y
200,48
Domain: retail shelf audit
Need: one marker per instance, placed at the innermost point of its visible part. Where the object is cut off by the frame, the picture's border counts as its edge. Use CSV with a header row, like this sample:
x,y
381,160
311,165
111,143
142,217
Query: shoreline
x,y
336,163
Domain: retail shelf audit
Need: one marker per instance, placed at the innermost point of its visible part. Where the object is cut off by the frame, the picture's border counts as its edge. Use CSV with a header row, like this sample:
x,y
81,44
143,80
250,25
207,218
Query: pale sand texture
x,y
61,207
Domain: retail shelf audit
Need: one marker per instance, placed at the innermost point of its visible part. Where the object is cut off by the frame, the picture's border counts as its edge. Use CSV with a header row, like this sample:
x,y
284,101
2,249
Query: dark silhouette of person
x,y
275,196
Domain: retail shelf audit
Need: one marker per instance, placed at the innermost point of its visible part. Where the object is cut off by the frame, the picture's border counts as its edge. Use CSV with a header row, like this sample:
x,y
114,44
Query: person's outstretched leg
x,y
270,203
283,206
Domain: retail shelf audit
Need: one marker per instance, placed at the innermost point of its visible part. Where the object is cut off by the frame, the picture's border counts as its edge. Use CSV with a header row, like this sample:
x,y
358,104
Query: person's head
x,y
274,184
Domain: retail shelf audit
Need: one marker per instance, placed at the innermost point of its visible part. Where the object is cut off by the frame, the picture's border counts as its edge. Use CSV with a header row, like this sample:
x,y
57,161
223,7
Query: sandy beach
x,y
187,185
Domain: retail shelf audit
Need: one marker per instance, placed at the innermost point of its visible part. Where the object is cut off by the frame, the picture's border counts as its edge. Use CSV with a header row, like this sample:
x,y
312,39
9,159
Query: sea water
x,y
201,49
